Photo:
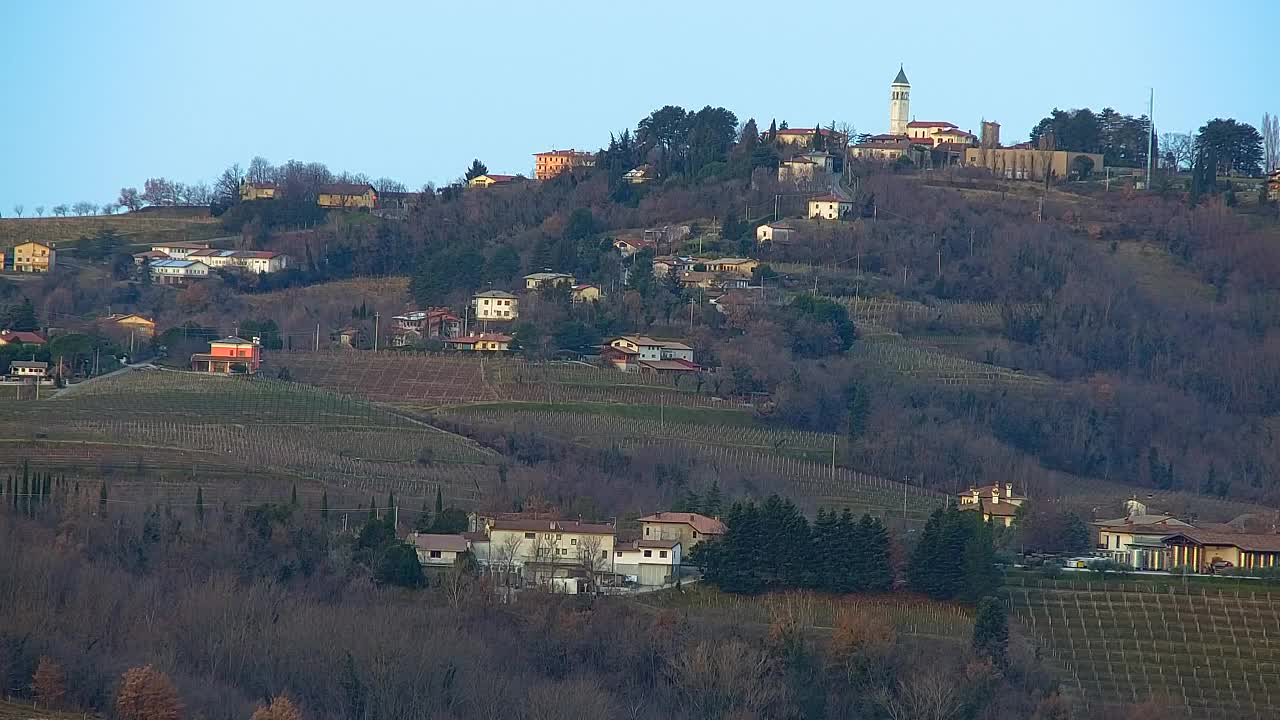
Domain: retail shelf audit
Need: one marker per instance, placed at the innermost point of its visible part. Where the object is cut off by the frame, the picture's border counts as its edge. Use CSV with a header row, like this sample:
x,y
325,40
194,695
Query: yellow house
x,y
1204,551
737,266
829,207
496,305
34,257
484,181
257,191
484,342
141,326
585,293
348,195
936,133
1137,530
998,504
543,550
538,280
687,528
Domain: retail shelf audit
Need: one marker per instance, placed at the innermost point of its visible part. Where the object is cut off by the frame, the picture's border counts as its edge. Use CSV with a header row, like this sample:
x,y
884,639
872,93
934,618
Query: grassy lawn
x,y
729,417
23,711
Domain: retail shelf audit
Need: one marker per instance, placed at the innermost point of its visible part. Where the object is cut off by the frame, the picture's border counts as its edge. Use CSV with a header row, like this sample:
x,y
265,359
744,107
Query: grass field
x,y
1202,653
24,711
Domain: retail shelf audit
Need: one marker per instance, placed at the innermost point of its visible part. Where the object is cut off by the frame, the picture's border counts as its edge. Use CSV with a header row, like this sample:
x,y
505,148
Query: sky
x,y
97,96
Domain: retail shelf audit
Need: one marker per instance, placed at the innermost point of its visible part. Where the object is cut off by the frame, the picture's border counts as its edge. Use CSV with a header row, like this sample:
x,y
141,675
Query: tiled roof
x,y
1250,542
670,365
561,526
21,336
494,294
829,198
482,337
930,123
231,340
29,364
701,523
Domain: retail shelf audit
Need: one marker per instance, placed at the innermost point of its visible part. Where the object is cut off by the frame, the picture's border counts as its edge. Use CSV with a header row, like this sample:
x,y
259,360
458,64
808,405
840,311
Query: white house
x,y
439,550
28,369
781,232
830,207
255,261
176,272
648,562
647,348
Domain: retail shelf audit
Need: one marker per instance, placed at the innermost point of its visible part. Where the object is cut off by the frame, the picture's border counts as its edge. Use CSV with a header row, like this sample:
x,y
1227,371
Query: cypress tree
x,y
439,501
324,507
390,517
373,509
24,503
922,569
102,500
293,495
46,491
980,576
991,632
200,506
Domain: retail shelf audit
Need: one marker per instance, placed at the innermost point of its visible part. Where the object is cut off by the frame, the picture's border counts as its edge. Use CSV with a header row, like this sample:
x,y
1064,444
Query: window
x,y
646,531
573,541
529,536
648,553
435,553
662,553
695,534
605,554
618,554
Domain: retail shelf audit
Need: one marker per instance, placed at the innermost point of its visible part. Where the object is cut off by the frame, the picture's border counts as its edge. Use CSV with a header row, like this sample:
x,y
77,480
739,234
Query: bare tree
x,y
49,684
17,209
158,191
508,551
61,210
1270,142
129,198
83,208
923,696
226,190
386,184
260,170
199,194
592,558
1178,149
110,209
40,210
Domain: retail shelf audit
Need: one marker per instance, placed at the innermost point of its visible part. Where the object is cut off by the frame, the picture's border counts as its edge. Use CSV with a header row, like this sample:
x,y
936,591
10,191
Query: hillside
x,y
137,228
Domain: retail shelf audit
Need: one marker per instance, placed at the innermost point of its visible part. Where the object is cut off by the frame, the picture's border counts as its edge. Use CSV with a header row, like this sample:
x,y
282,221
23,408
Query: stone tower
x,y
899,104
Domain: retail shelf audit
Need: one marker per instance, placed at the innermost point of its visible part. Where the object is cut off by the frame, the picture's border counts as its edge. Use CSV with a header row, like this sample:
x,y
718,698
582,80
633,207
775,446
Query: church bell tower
x,y
899,104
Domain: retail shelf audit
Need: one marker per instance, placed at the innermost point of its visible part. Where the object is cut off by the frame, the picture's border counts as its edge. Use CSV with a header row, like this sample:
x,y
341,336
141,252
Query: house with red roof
x,y
688,529
20,337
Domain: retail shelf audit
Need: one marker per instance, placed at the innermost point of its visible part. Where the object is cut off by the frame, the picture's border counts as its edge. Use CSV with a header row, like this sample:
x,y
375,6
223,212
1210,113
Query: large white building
x,y
899,104
255,261
176,272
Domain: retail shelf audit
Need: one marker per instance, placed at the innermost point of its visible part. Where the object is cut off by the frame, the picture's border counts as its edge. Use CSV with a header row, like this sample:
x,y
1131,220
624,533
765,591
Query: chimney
x,y
257,340
1008,489
995,493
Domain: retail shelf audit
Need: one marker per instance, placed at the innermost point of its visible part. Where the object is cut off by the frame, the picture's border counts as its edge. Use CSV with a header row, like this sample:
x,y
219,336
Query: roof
x,y
482,337
497,178
176,263
640,544
673,365
584,286
986,490
902,77
930,123
21,336
189,245
805,131
642,340
151,254
33,364
240,254
567,153
830,197
569,526
135,316
727,261
230,340
447,543
346,189
1252,542
546,276
701,523
1142,524
494,294
781,225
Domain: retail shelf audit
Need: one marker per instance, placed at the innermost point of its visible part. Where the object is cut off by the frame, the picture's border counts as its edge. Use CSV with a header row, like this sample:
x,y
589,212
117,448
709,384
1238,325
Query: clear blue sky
x,y
101,95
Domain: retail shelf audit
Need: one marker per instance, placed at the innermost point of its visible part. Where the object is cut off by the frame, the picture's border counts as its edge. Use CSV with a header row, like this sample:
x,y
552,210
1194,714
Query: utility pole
x,y
775,207
376,315
317,348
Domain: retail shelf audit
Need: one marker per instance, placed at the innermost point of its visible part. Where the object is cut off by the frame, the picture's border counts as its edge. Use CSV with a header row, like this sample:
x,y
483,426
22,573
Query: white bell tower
x,y
899,104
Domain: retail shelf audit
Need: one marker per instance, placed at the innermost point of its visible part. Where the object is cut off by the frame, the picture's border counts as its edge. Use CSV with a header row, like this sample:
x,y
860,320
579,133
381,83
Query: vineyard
x,y
134,228
893,312
1204,653
920,363
166,425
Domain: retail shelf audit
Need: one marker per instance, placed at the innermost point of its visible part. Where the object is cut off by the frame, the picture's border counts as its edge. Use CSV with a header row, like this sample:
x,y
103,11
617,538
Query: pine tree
x,y
439,501
293,495
991,632
102,500
922,569
828,575
711,505
390,517
200,505
423,524
324,507
878,575
980,576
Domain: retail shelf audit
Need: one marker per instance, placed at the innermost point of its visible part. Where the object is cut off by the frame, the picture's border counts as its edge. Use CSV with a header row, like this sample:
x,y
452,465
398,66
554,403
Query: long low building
x,y
1030,164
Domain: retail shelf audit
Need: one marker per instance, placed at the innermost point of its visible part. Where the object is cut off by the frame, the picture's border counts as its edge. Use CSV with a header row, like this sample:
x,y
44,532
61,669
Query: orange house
x,y
547,165
229,355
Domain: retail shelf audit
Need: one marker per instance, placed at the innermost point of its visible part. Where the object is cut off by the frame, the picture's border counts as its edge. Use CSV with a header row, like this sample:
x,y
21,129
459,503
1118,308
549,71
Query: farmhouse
x,y
830,207
229,355
20,337
781,232
496,305
935,133
136,324
250,191
436,322
543,550
648,563
808,168
177,272
347,195
484,342
688,529
439,550
630,246
34,257
28,370
636,353
997,504
1138,538
539,280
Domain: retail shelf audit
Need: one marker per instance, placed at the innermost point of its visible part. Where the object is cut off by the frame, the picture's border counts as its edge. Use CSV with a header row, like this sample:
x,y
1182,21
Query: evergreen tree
x,y
399,566
818,143
773,130
24,504
980,576
711,505
391,511
922,569
827,574
324,507
878,573
859,403
293,496
991,632
102,500
200,505
423,524
373,510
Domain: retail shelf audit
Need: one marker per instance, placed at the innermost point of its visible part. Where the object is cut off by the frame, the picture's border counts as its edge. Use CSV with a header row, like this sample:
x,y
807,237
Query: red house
x,y
229,355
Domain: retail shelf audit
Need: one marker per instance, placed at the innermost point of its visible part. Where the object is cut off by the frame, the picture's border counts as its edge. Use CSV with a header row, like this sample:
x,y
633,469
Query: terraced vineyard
x,y
893,312
903,358
1203,653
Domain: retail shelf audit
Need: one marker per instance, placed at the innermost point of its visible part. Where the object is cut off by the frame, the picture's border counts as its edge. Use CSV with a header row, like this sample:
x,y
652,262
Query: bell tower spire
x,y
899,103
